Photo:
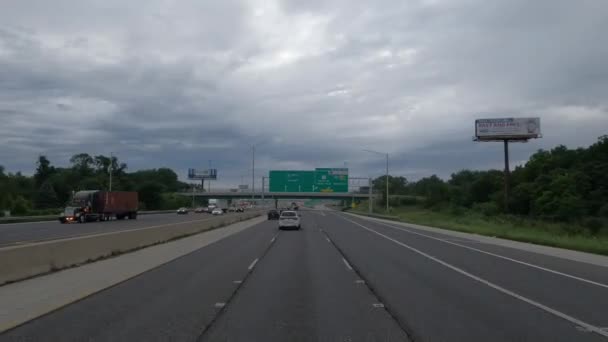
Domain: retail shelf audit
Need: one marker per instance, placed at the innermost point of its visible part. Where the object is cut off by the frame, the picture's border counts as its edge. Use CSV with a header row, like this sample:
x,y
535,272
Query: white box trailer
x,y
218,203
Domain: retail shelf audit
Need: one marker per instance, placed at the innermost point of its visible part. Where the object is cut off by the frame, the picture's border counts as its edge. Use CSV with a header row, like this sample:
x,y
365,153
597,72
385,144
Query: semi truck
x,y
218,203
95,205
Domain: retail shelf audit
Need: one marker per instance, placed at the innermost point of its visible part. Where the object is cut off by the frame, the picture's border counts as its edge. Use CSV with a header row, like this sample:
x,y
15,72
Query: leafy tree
x,y
46,197
82,163
150,193
43,171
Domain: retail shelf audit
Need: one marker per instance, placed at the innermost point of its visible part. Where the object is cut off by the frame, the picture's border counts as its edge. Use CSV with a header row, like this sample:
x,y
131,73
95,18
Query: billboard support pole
x,y
507,175
193,186
369,182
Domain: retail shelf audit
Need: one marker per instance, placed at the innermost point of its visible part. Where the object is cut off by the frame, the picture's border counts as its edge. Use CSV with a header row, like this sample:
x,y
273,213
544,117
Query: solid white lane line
x,y
552,311
350,268
499,256
253,264
273,239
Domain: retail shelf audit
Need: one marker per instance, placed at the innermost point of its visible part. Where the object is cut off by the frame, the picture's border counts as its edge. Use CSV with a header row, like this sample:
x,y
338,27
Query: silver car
x,y
289,220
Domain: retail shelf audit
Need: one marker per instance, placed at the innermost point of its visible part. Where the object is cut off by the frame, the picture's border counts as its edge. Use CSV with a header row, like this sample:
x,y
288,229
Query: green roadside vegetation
x,y
558,198
50,188
556,234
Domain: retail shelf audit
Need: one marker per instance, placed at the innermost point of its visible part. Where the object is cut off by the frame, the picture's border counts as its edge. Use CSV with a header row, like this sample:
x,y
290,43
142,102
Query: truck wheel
x,y
133,216
82,219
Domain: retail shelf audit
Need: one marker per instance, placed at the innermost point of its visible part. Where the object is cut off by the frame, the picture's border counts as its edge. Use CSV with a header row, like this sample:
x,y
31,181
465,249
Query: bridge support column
x,y
276,203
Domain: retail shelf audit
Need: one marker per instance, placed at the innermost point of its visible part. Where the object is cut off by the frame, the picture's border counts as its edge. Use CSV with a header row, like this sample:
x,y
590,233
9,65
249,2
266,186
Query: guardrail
x,y
17,219
24,261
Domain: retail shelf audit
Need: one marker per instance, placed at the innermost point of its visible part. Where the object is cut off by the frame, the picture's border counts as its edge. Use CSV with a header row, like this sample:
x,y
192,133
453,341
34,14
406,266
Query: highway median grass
x,y
563,235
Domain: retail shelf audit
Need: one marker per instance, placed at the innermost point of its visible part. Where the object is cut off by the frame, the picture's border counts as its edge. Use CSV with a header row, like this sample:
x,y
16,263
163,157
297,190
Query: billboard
x,y
202,174
319,180
507,128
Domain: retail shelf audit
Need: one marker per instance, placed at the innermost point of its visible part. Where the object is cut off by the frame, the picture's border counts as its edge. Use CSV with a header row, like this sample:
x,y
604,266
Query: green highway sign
x,y
291,181
319,180
331,180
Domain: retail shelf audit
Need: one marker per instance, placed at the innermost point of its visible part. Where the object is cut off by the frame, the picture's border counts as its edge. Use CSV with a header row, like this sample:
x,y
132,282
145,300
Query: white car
x,y
217,211
289,220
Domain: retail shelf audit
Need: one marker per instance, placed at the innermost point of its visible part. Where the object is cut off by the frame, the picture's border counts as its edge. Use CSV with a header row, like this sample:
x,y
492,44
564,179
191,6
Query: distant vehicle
x,y
95,205
273,215
289,219
217,211
232,210
199,210
218,203
240,210
182,211
294,206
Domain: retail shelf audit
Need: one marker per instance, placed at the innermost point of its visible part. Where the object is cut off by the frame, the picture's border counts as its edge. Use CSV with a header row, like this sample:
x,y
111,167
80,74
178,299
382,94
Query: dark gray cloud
x,y
312,82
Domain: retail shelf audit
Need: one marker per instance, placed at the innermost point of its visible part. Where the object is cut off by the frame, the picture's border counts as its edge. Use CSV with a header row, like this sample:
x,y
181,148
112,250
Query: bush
x,y
486,208
572,229
457,210
408,200
20,206
593,224
603,212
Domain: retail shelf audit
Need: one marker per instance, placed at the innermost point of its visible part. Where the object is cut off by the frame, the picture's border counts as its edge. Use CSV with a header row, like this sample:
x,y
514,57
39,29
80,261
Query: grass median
x,y
563,235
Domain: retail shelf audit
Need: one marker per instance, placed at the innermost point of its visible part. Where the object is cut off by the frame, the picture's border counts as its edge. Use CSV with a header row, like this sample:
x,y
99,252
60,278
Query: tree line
x,y
560,184
51,187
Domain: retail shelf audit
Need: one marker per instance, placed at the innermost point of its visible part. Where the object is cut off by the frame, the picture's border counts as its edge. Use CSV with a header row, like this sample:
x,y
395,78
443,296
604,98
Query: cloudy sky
x,y
312,83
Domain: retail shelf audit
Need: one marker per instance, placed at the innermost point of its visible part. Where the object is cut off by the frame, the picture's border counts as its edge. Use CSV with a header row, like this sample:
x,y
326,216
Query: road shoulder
x,y
594,259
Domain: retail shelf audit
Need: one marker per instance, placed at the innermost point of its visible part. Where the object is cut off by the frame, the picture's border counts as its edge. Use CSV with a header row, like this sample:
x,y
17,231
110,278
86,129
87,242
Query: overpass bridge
x,y
277,195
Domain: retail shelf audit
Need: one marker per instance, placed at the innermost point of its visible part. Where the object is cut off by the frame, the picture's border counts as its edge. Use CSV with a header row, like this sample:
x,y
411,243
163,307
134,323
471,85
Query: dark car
x,y
182,211
273,215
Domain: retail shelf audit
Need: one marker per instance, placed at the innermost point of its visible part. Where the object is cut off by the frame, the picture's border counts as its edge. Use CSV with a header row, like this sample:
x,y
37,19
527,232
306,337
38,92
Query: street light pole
x,y
384,154
110,170
263,185
252,174
387,183
370,195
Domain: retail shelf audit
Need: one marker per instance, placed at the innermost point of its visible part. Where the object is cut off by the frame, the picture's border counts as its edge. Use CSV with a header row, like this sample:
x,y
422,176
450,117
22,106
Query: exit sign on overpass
x,y
319,180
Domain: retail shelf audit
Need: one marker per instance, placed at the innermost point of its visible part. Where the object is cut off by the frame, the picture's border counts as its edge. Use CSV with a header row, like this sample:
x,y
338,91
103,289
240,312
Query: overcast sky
x,y
178,83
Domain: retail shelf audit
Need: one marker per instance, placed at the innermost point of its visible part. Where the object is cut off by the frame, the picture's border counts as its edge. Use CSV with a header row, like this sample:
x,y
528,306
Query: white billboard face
x,y
202,174
507,128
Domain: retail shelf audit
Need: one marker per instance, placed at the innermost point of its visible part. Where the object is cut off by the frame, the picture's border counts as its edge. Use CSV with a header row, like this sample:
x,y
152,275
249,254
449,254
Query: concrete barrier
x,y
20,262
53,218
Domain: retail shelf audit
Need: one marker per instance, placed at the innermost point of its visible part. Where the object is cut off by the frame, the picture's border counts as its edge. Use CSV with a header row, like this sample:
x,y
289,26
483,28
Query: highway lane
x,y
303,290
342,279
444,292
290,286
19,233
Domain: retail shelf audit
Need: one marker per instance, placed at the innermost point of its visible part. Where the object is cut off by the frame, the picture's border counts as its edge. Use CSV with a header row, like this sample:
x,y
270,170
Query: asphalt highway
x,y
342,278
20,233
